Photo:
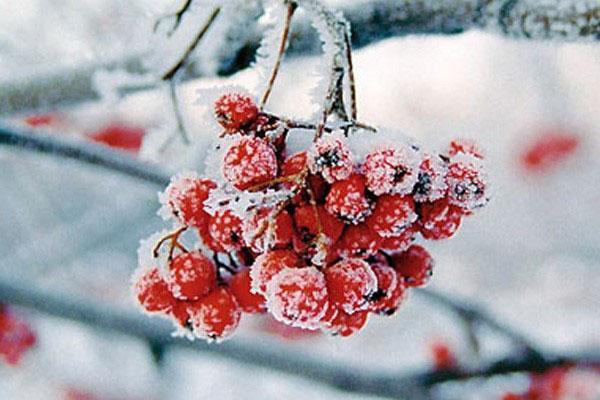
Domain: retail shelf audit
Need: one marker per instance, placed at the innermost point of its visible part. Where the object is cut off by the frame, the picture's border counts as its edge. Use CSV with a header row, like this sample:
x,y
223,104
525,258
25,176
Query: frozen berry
x,y
392,215
152,292
350,282
235,111
401,242
298,297
260,233
226,229
347,201
180,314
240,287
431,183
465,146
439,220
331,158
466,181
390,290
248,162
209,241
216,315
415,265
185,197
345,324
359,241
305,217
392,170
191,276
268,265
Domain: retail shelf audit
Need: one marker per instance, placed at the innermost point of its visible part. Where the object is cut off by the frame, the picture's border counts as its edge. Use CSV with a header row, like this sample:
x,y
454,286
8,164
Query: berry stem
x,y
173,238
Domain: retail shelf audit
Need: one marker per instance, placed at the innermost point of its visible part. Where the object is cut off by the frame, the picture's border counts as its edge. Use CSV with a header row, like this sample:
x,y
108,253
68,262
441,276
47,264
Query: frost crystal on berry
x,y
298,297
465,146
350,283
331,157
467,183
249,161
184,199
392,169
269,264
191,275
431,183
234,111
226,229
345,324
401,242
359,241
215,316
264,230
152,291
392,215
347,200
439,220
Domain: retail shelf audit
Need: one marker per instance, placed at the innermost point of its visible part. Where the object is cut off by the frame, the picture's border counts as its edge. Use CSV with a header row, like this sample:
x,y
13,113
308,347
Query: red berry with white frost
x,y
226,229
249,161
431,183
391,290
216,315
465,146
235,111
185,197
392,215
298,297
331,158
401,242
347,201
191,276
439,220
305,218
268,264
392,169
359,241
263,231
467,183
350,282
240,285
415,265
345,324
152,292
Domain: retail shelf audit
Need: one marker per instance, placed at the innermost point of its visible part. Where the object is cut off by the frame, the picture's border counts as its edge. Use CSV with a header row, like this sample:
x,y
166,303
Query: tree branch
x,y
370,20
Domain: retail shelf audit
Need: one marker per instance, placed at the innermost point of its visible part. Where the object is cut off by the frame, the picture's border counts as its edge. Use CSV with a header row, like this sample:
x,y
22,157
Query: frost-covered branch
x,y
371,21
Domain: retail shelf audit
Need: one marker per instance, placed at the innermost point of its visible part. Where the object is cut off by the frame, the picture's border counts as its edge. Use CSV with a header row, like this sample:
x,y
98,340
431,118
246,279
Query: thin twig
x,y
351,80
177,15
177,110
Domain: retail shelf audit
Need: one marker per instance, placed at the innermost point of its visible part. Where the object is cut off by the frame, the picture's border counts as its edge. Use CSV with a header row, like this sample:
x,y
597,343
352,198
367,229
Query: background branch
x,y
371,21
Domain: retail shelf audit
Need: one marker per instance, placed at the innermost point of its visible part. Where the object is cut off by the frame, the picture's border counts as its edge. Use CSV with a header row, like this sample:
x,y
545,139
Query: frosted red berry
x,y
347,201
465,146
439,220
226,229
152,292
392,215
260,233
394,244
268,264
209,241
305,218
234,111
415,265
249,161
185,197
359,241
345,324
240,285
216,315
431,182
390,290
298,297
331,158
392,170
191,276
180,314
350,282
467,183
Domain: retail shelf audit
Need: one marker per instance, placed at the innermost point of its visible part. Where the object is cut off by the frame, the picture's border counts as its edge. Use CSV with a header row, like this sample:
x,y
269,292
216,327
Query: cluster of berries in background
x,y
320,238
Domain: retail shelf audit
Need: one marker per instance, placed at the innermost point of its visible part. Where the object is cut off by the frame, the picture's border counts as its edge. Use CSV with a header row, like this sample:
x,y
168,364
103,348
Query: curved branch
x,y
370,20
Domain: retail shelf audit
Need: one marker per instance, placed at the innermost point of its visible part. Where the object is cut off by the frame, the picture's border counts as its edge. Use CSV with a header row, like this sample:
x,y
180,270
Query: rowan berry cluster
x,y
320,238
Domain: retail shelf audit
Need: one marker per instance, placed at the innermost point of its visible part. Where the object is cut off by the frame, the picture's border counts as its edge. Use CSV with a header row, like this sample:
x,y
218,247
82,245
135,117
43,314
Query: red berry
x,y
347,200
443,357
209,241
305,218
268,265
191,276
548,150
465,146
294,164
359,241
216,315
120,136
350,283
331,158
392,170
234,111
345,324
180,314
152,292
513,396
259,236
402,242
431,183
249,161
185,197
439,220
240,287
466,181
392,215
415,265
226,229
390,290
298,297
16,337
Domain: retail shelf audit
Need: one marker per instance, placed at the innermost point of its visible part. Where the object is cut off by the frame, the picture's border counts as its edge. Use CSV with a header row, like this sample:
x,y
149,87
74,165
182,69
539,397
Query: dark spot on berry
x,y
399,174
328,159
376,295
423,185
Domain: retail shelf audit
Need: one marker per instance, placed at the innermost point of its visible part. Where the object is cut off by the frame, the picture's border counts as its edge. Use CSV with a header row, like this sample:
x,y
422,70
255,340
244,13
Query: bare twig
x,y
177,110
177,15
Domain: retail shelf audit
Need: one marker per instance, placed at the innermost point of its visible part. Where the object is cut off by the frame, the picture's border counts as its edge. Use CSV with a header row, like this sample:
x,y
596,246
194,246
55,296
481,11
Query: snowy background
x,y
532,257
